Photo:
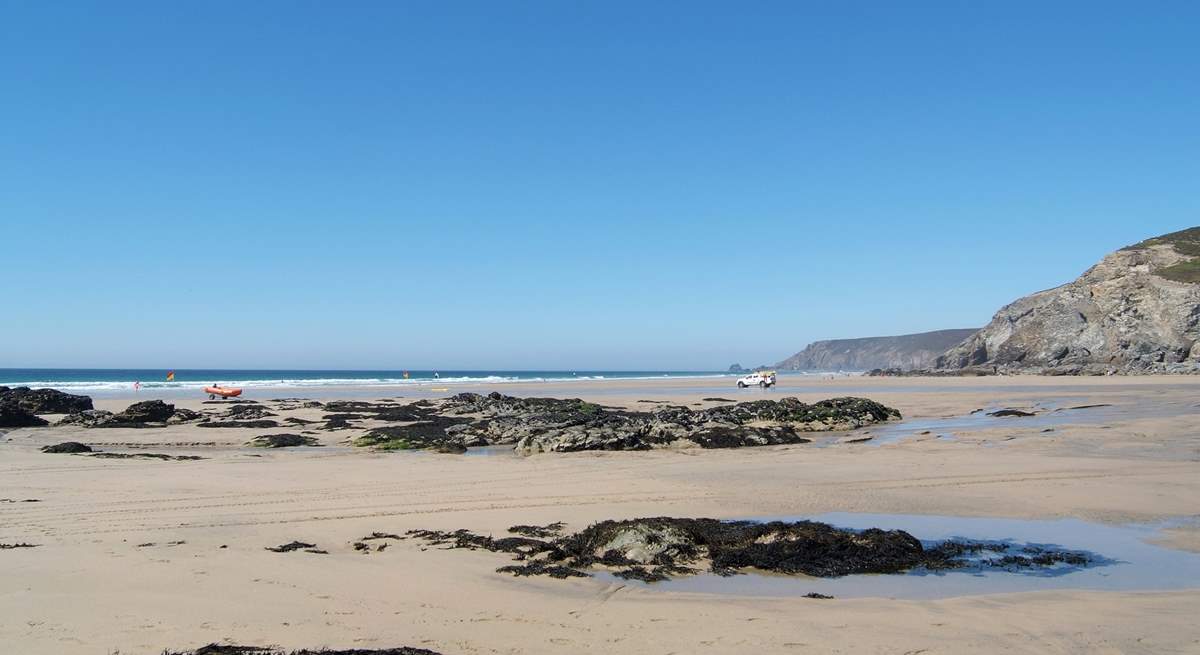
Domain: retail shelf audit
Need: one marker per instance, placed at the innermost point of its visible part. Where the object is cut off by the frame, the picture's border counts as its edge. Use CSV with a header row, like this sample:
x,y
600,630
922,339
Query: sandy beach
x,y
137,555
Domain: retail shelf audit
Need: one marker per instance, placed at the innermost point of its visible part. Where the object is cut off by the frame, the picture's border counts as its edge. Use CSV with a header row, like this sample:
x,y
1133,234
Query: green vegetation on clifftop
x,y
1186,242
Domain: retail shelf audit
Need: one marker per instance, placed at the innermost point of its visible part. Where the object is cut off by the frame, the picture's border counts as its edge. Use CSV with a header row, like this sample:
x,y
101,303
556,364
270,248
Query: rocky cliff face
x,y
907,351
1137,311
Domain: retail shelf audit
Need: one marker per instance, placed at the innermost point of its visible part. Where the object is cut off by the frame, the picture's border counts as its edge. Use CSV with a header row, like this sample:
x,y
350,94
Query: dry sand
x,y
92,586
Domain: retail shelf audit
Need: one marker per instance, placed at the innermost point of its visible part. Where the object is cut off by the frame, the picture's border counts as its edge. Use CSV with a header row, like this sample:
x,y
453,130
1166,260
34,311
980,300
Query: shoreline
x,y
792,382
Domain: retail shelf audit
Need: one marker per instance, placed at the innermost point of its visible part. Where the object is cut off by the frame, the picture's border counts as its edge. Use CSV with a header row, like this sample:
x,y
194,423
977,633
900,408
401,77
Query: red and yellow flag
x,y
170,376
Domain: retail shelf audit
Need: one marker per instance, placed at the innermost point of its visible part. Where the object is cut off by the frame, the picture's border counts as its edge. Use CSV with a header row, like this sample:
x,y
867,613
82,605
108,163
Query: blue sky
x,y
567,185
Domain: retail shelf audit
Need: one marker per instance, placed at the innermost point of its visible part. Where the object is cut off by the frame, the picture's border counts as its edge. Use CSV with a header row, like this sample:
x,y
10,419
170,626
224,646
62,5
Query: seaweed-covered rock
x,y
806,547
44,401
12,416
833,414
87,418
1009,411
184,415
148,413
247,412
437,433
258,423
282,441
568,425
652,549
67,447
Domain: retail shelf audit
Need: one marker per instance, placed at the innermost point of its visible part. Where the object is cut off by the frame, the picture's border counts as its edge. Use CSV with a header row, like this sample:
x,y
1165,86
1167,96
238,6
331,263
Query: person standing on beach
x,y
137,385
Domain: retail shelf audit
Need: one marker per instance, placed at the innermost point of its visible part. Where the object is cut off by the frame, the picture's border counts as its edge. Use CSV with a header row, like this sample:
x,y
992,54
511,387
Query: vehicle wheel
x,y
763,385
741,385
212,396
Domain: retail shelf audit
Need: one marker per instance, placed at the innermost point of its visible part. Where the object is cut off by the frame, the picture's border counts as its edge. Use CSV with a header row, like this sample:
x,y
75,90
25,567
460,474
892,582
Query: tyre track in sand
x,y
432,508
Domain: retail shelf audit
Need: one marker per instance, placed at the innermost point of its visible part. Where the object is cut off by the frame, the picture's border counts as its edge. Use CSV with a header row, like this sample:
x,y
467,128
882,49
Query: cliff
x,y
1136,311
906,351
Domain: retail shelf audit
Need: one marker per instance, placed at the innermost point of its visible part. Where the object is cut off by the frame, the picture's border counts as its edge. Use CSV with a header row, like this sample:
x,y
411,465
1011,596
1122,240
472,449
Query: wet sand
x,y
93,585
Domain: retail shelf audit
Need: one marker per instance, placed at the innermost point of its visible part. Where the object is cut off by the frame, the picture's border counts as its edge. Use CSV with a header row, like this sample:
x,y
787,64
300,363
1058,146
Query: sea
x,y
123,380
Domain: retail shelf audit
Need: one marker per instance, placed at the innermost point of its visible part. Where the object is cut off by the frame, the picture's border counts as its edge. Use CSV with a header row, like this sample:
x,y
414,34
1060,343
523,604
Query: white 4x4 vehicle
x,y
762,379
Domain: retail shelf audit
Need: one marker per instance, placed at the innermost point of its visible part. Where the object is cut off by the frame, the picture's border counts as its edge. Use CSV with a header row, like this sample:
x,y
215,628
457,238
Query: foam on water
x,y
122,380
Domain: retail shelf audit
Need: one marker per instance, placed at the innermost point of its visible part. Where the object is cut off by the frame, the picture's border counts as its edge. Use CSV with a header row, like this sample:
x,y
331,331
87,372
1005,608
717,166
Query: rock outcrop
x,y
12,416
44,401
536,425
148,413
659,548
905,352
1137,311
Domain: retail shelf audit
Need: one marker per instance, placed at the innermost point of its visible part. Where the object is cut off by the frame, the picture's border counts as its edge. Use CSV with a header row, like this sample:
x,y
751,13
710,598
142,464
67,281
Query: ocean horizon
x,y
118,379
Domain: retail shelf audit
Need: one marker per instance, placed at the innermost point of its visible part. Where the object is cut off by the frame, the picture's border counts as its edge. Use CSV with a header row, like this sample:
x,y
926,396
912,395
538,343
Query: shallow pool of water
x,y
1124,561
492,451
1047,415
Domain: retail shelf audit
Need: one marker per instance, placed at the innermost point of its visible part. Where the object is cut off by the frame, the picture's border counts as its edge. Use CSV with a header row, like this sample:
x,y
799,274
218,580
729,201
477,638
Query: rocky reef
x,y
658,548
529,425
534,425
43,401
1136,311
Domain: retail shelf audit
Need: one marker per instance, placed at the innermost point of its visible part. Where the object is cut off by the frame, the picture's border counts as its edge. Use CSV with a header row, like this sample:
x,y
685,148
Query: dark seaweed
x,y
223,649
289,547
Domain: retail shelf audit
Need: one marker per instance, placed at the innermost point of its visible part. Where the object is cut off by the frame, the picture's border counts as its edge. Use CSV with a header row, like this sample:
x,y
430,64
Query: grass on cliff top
x,y
1188,271
1186,242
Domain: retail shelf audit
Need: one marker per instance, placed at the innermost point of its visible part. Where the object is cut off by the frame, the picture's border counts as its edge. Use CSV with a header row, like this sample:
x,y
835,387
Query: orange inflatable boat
x,y
224,392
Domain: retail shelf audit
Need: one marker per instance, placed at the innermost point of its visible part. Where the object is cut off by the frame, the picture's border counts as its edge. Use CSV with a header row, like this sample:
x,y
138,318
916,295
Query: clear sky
x,y
608,185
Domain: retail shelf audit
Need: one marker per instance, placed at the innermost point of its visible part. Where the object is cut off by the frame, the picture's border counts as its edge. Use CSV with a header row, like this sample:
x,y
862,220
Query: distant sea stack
x,y
737,368
907,351
1137,311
